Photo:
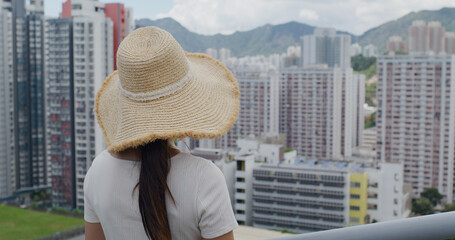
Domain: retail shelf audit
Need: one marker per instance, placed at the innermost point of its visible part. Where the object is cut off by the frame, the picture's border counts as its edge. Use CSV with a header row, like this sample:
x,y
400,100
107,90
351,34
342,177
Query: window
x,y
355,184
354,208
354,220
355,196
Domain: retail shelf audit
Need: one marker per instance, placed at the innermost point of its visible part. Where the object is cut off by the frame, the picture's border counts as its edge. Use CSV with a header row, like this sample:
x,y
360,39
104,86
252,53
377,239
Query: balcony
x,y
430,227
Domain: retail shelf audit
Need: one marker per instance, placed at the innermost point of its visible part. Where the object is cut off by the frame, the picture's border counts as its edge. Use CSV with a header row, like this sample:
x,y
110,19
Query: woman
x,y
142,187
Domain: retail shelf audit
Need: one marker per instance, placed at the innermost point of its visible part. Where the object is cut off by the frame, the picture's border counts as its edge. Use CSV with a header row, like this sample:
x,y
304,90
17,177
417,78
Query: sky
x,y
227,16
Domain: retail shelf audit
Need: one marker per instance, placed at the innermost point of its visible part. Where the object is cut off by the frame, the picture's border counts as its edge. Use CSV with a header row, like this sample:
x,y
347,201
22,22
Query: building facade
x,y
119,17
325,46
30,165
426,38
358,112
60,111
312,195
416,117
93,48
316,106
6,102
296,199
396,44
244,188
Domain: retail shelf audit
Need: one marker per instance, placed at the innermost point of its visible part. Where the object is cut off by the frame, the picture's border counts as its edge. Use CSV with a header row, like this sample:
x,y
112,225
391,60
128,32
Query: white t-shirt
x,y
203,208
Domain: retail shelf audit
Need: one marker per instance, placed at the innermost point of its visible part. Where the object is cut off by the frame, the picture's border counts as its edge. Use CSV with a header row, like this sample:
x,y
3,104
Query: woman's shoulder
x,y
195,167
190,161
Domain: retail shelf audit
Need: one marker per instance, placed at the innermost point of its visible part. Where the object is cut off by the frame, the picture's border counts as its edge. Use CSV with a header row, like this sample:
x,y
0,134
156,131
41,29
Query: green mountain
x,y
379,35
263,40
270,39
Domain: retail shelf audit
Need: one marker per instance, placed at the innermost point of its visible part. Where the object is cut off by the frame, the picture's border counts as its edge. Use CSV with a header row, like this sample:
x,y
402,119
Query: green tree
x,y
431,194
422,206
361,63
449,207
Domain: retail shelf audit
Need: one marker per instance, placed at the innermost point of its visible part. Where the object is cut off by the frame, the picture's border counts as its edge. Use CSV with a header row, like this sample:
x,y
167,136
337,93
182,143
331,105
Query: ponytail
x,y
155,166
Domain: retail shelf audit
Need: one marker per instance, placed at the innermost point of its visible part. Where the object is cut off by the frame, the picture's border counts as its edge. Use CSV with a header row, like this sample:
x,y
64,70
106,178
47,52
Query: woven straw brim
x,y
206,107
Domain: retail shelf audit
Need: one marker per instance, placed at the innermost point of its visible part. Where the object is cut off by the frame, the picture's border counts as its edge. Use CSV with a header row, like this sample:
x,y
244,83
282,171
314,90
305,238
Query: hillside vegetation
x,y
269,39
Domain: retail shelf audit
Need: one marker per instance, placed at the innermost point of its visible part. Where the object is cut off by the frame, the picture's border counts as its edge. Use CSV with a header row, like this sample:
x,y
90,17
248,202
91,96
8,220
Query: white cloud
x,y
355,16
308,14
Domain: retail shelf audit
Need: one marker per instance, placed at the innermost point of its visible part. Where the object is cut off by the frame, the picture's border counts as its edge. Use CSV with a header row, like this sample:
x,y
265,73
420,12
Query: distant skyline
x,y
218,16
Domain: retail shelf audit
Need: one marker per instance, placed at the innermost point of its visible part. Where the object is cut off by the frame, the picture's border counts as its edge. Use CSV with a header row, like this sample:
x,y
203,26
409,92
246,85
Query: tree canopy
x,y
422,206
431,194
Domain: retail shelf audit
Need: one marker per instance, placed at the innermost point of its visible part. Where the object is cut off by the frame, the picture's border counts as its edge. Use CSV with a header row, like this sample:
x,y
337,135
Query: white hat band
x,y
162,92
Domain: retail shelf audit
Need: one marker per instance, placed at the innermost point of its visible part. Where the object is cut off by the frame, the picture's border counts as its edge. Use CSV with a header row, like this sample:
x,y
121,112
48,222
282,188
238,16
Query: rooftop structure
x,y
313,195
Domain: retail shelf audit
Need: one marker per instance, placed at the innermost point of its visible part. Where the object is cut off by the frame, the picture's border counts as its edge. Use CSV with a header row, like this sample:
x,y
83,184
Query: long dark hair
x,y
155,166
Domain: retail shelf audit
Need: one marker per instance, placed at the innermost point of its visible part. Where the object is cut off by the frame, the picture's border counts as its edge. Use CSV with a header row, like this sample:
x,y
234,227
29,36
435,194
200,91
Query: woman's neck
x,y
134,154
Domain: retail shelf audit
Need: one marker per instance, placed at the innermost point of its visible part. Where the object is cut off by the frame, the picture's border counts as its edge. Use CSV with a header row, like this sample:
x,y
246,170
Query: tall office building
x,y
325,46
6,103
92,62
416,120
316,107
30,166
60,111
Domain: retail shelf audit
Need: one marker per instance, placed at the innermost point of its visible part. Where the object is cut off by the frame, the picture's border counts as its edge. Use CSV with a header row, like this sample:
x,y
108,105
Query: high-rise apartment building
x,y
450,43
224,54
358,112
129,19
356,49
436,38
212,52
370,50
417,37
93,49
396,44
30,166
423,38
325,46
60,111
6,103
118,14
316,106
259,103
416,119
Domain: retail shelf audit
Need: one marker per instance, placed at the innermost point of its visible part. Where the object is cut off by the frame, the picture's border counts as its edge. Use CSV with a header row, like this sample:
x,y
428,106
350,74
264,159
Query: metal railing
x,y
429,227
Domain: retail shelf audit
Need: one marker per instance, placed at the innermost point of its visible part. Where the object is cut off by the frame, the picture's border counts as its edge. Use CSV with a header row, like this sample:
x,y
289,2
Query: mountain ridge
x,y
268,39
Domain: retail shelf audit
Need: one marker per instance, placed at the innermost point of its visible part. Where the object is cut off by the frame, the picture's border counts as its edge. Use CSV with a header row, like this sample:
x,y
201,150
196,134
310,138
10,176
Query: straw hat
x,y
161,92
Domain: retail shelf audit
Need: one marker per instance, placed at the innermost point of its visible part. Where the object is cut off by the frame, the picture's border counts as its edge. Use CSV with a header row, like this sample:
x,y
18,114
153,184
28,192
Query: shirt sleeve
x,y
89,212
216,217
